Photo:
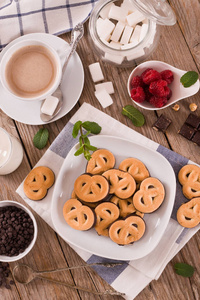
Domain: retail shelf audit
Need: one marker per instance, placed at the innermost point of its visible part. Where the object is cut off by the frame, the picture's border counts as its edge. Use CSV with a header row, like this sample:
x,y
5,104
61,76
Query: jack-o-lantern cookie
x,y
189,178
106,214
37,183
91,188
101,160
130,230
126,206
78,216
122,184
150,195
188,214
135,167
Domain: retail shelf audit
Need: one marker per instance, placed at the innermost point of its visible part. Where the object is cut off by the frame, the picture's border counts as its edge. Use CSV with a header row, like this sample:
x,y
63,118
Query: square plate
x,y
156,222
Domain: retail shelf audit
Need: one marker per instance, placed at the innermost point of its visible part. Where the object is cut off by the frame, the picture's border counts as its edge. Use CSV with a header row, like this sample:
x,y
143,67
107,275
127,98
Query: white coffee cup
x,y
35,82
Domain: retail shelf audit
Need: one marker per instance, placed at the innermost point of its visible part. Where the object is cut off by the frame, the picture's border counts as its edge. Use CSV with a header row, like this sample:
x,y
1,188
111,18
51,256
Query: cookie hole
x,y
118,231
99,185
72,208
75,219
187,175
127,169
108,211
194,191
35,191
120,178
128,235
125,188
90,192
135,225
45,178
34,179
188,219
84,183
105,159
101,219
142,200
85,216
150,187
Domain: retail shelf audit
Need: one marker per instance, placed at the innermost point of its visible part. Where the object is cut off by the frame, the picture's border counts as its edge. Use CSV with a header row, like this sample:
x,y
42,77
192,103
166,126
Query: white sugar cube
x,y
108,86
117,31
134,18
136,34
49,105
96,72
104,98
136,54
127,6
105,11
115,45
117,13
143,32
126,35
114,58
105,28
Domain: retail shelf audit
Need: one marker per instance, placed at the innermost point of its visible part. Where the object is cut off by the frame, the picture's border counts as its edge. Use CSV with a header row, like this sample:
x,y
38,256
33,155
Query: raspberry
x,y
158,101
143,73
150,76
136,81
167,75
159,88
138,94
170,94
148,95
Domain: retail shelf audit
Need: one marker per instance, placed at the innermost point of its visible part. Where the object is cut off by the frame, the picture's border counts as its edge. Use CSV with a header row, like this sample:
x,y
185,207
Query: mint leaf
x,y
76,129
79,151
134,115
93,127
189,78
41,138
184,269
90,147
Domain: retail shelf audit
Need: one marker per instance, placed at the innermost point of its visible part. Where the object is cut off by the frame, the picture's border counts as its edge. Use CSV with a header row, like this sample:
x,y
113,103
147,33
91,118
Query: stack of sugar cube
x,y
121,27
103,89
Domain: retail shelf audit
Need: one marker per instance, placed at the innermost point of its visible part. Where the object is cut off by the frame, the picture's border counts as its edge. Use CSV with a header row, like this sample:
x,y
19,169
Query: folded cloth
x,y
19,17
130,277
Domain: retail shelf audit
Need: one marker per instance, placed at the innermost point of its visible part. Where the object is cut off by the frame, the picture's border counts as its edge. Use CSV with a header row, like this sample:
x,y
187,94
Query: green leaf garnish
x,y
41,138
93,127
134,115
189,78
184,269
84,142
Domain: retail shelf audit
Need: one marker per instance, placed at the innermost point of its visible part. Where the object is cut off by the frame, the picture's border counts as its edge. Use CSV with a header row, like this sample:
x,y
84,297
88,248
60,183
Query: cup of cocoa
x,y
30,70
18,231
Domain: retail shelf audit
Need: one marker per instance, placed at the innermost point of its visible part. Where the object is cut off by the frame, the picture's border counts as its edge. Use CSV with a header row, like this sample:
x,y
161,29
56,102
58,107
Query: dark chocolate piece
x,y
193,121
162,123
187,131
196,138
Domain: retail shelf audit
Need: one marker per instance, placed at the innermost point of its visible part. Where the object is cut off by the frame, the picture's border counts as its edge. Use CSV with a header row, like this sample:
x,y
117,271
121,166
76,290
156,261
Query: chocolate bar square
x,y
187,131
196,138
162,123
193,121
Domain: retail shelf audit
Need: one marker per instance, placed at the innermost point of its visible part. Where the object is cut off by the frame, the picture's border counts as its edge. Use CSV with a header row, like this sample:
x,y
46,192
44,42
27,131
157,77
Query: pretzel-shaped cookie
x,y
125,206
122,184
188,214
101,161
135,167
130,230
91,188
38,181
189,178
150,195
78,216
106,214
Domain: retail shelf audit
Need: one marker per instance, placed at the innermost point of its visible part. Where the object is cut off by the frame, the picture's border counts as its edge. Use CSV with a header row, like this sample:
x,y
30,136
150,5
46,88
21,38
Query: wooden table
x,y
180,46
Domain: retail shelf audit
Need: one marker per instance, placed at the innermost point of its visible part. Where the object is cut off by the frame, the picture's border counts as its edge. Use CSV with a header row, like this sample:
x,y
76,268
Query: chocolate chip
x,y
162,123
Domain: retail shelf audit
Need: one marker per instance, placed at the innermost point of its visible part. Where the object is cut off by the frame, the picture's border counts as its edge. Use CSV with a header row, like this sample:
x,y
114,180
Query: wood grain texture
x,y
179,45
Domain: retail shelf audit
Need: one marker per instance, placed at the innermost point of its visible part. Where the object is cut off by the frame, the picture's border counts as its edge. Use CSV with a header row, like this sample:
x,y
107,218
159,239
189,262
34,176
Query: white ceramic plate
x,y
156,222
72,86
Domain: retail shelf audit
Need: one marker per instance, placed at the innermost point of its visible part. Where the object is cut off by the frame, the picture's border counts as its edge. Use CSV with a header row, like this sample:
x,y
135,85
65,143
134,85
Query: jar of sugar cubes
x,y
126,32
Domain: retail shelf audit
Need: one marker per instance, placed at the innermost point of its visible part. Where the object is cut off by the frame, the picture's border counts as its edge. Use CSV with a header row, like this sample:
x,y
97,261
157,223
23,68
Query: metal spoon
x,y
24,274
76,35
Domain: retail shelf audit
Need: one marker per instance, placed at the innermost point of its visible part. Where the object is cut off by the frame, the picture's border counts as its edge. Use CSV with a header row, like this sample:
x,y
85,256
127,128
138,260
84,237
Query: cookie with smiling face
x,y
189,178
135,167
188,214
101,161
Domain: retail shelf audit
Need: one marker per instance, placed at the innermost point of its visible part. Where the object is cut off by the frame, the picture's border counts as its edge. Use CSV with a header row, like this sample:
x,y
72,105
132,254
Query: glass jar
x,y
155,13
11,153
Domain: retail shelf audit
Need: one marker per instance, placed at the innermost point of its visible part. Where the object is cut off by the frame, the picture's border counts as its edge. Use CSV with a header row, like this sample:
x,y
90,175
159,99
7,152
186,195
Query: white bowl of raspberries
x,y
155,85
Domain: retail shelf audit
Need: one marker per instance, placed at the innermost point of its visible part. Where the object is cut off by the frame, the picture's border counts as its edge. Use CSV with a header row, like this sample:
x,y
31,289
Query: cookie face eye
x,y
150,195
122,184
135,167
100,161
130,230
106,214
78,216
38,181
188,214
189,178
91,188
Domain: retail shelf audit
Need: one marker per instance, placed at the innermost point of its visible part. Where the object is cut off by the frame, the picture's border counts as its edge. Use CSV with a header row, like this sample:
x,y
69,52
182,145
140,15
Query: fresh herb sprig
x,y
189,78
134,115
184,269
84,142
41,138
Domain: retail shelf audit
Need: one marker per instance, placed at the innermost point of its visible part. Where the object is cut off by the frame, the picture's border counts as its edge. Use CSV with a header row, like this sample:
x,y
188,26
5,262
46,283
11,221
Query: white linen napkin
x,y
19,17
132,276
